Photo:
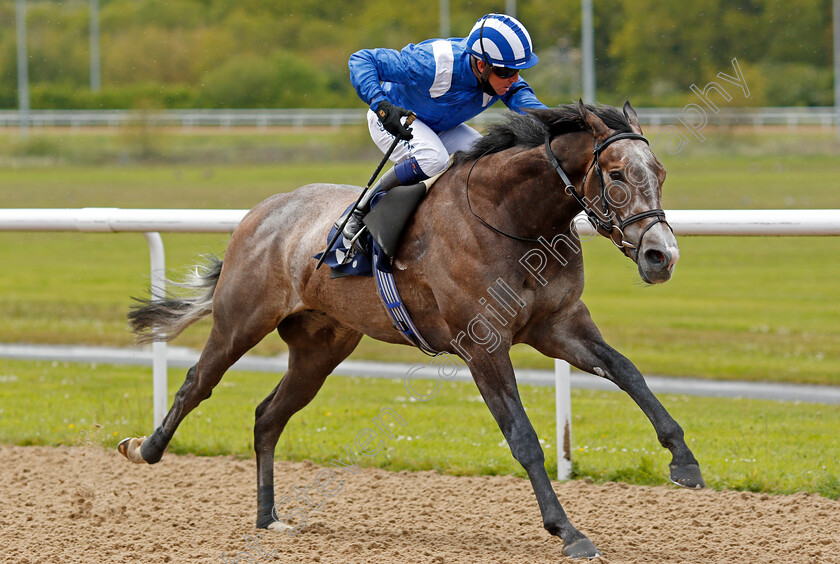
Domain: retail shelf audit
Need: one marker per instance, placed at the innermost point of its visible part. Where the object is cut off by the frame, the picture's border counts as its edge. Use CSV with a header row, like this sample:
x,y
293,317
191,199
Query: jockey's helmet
x,y
501,41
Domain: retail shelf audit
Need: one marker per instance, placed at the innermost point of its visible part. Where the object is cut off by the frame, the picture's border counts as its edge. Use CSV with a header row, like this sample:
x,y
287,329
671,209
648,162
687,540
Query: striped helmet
x,y
501,41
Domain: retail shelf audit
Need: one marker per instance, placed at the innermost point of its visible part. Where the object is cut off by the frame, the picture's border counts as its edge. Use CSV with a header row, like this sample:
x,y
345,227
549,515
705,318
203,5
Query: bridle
x,y
613,222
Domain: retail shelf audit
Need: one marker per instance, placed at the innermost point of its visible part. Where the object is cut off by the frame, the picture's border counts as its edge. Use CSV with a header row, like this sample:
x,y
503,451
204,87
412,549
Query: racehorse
x,y
503,212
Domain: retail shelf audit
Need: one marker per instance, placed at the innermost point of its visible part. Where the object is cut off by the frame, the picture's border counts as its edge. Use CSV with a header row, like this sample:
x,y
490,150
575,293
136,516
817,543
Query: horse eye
x,y
615,175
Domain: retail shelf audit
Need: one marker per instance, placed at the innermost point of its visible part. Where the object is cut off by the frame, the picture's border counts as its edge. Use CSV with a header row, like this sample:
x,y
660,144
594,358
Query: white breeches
x,y
430,149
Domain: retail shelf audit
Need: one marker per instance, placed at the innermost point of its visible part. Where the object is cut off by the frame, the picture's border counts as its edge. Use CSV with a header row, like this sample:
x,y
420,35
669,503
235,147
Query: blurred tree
x,y
210,48
281,80
148,54
664,48
127,14
797,31
8,54
802,85
57,43
646,50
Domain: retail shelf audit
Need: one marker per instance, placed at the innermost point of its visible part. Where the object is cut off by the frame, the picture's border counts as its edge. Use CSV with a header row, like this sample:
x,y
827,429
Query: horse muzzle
x,y
657,255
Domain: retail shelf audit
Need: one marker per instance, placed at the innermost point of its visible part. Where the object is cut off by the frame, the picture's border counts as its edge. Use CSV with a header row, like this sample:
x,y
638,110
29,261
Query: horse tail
x,y
165,318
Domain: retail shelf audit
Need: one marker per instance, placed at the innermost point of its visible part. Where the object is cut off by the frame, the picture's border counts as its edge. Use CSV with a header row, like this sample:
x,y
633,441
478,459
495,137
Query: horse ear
x,y
596,124
631,116
545,116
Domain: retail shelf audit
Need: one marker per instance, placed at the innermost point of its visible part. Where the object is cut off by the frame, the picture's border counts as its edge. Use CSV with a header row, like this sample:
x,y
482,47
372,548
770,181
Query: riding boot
x,y
354,223
354,226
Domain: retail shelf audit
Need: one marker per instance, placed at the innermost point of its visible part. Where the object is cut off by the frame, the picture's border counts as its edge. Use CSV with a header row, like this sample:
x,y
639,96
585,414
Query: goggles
x,y
504,72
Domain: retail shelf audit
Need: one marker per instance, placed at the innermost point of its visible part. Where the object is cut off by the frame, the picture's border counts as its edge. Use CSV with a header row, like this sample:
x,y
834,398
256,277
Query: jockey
x,y
445,82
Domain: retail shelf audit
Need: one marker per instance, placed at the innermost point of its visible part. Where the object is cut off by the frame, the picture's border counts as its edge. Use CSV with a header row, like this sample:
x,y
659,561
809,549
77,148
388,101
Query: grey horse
x,y
501,216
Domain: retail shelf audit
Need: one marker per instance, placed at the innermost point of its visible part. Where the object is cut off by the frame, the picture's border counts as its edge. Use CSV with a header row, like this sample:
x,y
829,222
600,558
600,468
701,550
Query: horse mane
x,y
528,130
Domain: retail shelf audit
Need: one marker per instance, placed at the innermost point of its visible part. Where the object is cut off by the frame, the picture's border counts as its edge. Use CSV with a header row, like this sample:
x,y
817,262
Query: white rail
x,y
825,116
685,222
153,221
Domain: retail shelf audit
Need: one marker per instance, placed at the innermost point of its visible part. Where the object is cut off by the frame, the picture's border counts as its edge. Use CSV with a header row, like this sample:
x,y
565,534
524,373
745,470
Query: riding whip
x,y
408,121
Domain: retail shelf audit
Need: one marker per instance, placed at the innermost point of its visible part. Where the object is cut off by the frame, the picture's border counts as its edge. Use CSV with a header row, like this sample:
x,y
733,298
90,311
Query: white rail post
x,y
158,291
563,409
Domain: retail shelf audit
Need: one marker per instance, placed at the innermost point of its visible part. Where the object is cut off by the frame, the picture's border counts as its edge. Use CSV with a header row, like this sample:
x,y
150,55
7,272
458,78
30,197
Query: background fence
x,y
791,117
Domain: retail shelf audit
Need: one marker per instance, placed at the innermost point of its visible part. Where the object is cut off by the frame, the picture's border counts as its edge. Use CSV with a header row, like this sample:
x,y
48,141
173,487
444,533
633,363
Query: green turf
x,y
757,309
737,308
741,444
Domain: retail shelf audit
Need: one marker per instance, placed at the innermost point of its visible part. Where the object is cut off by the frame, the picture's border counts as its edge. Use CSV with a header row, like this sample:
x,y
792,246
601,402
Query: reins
x,y
613,222
481,219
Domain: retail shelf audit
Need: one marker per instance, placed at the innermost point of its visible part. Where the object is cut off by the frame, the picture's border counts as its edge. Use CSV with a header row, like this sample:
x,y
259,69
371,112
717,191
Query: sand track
x,y
89,505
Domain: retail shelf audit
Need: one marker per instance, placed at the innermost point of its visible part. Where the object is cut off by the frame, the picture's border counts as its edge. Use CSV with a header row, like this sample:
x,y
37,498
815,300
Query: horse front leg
x,y
576,339
495,380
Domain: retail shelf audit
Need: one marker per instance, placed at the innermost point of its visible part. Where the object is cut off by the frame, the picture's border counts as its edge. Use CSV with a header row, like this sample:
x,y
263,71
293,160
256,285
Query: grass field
x,y
58,403
737,308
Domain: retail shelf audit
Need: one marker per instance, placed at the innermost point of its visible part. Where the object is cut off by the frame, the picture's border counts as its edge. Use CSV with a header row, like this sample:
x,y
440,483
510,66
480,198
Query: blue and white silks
x,y
434,80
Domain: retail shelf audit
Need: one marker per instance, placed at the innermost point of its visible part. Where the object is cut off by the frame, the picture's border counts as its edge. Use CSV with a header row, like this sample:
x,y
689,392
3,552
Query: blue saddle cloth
x,y
347,260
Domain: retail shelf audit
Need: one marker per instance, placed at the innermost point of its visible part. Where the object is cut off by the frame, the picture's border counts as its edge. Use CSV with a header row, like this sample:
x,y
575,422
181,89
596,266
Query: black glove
x,y
389,115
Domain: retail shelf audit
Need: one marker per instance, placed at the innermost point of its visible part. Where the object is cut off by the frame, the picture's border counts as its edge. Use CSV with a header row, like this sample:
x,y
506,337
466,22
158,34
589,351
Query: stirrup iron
x,y
360,247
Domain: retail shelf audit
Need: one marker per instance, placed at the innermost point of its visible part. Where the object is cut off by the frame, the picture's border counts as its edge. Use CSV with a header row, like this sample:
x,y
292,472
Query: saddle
x,y
390,212
387,219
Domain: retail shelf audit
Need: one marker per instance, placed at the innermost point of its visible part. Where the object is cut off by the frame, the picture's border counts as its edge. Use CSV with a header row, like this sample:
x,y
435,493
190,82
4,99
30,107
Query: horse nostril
x,y
655,258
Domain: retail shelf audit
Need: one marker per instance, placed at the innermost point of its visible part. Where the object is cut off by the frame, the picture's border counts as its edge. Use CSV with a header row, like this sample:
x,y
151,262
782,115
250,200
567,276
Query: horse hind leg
x,y
150,449
232,336
317,344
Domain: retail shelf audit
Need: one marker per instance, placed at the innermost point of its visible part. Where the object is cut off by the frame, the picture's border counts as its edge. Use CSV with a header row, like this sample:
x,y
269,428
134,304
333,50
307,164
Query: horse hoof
x,y
279,526
688,476
583,548
130,448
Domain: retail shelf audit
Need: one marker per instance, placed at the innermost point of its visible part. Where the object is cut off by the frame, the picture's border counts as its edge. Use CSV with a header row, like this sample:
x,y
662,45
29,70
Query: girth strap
x,y
386,287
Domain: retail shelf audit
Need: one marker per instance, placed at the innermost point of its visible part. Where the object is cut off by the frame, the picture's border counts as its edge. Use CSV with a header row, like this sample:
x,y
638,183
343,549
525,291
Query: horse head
x,y
622,190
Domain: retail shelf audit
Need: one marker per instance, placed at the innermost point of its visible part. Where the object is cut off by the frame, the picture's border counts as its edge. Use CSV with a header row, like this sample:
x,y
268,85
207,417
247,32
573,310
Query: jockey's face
x,y
500,85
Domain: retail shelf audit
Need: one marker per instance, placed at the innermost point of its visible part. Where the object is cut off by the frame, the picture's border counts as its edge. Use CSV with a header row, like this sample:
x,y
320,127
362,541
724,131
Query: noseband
x,y
613,222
